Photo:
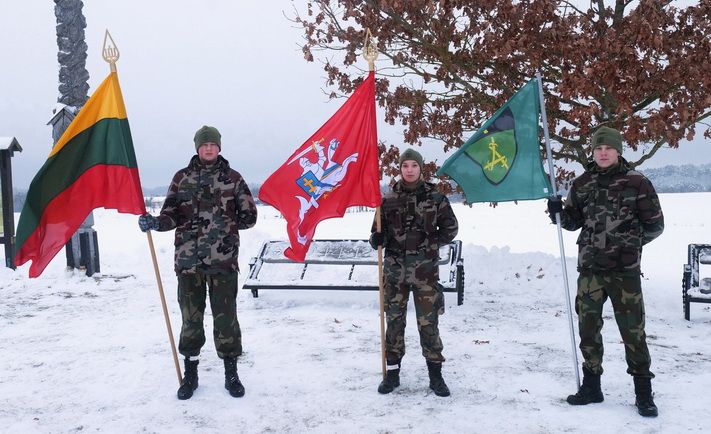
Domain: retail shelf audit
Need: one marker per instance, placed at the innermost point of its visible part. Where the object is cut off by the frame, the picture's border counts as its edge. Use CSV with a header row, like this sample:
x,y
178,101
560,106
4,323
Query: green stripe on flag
x,y
103,143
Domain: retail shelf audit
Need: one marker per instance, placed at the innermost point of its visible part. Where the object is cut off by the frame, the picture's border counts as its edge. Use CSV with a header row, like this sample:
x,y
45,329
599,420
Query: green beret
x,y
207,134
411,154
607,136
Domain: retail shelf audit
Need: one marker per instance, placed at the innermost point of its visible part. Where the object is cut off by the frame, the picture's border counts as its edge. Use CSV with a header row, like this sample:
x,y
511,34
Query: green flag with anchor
x,y
502,161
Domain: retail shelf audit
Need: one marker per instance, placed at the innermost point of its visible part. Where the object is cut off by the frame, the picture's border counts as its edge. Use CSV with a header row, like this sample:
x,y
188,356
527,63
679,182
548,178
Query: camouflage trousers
x,y
402,275
192,293
625,293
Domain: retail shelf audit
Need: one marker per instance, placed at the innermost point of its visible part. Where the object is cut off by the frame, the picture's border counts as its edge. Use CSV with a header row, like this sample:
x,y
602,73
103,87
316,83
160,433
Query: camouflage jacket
x,y
618,211
416,221
207,205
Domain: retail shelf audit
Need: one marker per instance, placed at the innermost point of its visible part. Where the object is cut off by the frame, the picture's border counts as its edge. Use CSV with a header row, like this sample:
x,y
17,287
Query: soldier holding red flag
x,y
417,221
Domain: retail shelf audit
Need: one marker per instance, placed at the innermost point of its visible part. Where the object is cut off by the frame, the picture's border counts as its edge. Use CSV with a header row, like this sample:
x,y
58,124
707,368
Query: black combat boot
x,y
232,382
190,379
589,392
392,379
436,381
644,402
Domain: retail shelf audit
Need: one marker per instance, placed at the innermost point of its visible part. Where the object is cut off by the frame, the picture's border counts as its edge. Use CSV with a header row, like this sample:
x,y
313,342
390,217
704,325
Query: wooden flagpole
x,y
111,54
370,53
165,307
381,291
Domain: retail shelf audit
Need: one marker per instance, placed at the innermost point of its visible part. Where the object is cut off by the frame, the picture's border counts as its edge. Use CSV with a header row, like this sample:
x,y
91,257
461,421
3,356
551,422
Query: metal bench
x,y
695,290
339,265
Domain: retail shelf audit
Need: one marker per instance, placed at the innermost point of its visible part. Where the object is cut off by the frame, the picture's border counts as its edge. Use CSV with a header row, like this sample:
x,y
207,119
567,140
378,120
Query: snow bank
x,y
91,354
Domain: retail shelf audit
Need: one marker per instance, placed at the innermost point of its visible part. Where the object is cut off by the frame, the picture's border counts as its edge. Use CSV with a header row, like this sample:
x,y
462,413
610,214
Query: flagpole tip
x,y
110,52
370,50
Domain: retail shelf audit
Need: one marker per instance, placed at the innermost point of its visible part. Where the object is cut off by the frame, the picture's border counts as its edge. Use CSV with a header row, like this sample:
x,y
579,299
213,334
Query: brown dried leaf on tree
x,y
642,67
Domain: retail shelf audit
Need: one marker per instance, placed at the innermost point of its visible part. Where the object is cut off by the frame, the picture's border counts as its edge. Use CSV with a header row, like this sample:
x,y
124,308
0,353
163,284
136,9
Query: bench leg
x,y
685,283
255,293
460,285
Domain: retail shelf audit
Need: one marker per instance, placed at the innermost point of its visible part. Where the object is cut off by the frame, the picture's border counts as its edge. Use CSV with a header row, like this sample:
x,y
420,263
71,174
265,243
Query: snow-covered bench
x,y
695,289
339,265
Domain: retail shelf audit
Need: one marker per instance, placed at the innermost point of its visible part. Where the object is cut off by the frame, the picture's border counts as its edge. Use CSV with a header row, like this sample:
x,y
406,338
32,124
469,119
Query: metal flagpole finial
x,y
110,53
370,50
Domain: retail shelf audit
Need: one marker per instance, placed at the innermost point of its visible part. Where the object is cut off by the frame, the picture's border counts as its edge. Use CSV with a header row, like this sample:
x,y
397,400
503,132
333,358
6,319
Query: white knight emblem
x,y
319,178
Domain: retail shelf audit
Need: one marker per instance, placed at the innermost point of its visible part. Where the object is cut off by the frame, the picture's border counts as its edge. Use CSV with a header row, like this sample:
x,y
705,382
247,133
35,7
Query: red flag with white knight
x,y
336,168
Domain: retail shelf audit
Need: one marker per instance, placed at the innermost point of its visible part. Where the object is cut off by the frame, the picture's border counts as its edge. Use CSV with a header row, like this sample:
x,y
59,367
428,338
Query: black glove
x,y
147,222
376,239
555,206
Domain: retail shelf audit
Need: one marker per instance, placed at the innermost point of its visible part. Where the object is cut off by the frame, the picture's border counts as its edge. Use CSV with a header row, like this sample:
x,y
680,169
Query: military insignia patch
x,y
495,149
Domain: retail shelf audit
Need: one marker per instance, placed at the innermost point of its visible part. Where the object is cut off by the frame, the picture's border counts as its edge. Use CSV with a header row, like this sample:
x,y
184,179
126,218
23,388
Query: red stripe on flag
x,y
111,187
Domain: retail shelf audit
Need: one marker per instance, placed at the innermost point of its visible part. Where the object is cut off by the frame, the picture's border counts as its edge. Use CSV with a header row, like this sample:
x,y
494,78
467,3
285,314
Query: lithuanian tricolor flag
x,y
92,165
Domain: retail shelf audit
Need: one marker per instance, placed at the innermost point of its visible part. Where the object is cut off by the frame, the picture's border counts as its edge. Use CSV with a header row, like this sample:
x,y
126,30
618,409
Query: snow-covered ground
x,y
91,354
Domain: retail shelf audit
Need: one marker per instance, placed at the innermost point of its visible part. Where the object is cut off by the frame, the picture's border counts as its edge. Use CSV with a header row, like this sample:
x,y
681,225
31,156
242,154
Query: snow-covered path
x,y
91,354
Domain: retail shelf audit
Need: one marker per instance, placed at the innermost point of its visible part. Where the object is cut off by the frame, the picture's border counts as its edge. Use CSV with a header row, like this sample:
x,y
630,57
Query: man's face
x,y
208,152
605,156
410,171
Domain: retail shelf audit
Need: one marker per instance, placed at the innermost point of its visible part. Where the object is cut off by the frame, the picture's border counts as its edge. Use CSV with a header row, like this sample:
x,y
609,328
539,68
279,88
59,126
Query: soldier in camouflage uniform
x,y
207,204
618,212
416,221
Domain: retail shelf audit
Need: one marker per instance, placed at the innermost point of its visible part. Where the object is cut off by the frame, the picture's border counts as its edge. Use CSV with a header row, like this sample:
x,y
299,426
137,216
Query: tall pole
x,y
381,292
370,53
111,55
73,76
73,94
551,175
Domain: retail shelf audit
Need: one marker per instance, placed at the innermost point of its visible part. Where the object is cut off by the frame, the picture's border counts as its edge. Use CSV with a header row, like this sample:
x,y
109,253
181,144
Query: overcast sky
x,y
236,65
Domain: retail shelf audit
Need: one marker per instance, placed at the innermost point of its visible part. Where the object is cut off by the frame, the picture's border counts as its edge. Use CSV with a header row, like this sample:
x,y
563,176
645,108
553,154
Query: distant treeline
x,y
680,179
686,178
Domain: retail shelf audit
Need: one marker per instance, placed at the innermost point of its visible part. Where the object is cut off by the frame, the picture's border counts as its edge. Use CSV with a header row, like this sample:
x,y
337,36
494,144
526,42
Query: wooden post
x,y
7,148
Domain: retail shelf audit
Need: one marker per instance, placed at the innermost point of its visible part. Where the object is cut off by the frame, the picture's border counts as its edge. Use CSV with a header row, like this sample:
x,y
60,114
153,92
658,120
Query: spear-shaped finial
x,y
110,53
370,50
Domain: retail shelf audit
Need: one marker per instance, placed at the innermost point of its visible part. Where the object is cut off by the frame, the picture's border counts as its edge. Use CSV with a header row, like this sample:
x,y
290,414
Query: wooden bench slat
x,y
335,252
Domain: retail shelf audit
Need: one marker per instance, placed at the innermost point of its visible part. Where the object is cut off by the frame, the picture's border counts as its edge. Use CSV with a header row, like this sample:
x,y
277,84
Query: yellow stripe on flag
x,y
106,102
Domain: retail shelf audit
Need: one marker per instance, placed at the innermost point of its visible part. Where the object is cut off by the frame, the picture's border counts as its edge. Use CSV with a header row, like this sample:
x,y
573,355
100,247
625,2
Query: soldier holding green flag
x,y
618,212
